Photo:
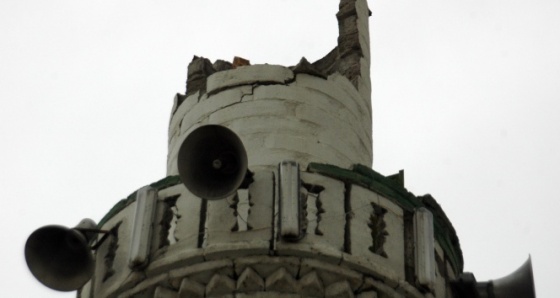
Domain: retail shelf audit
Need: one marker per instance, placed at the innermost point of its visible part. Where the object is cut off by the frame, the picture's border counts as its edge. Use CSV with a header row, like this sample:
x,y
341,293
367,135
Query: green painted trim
x,y
161,184
366,177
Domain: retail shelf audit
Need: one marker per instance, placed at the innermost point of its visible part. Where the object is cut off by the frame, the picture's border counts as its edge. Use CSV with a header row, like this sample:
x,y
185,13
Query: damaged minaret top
x,y
310,112
345,58
301,214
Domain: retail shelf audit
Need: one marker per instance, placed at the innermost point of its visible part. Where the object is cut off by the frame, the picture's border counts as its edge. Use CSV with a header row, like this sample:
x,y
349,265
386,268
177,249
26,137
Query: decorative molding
x,y
220,284
326,199
281,281
190,288
142,227
162,292
339,289
168,222
313,208
308,277
289,200
311,285
424,247
250,281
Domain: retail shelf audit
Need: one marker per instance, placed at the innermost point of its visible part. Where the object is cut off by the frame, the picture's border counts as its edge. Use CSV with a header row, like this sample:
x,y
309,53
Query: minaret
x,y
306,215
269,192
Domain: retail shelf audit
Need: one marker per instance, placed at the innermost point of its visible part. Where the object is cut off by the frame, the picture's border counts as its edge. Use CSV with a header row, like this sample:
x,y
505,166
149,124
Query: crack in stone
x,y
168,222
109,258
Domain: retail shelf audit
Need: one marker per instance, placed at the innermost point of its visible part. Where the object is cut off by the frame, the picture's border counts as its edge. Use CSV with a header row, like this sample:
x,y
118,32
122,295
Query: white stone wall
x,y
219,248
280,116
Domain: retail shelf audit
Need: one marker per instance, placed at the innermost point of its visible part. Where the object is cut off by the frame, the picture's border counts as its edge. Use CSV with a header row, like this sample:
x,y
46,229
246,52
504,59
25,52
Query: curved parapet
x,y
360,236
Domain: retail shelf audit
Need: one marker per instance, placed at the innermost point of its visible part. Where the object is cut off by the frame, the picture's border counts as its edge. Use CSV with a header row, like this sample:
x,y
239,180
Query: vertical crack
x,y
349,215
233,205
305,213
109,258
202,223
409,266
272,225
242,209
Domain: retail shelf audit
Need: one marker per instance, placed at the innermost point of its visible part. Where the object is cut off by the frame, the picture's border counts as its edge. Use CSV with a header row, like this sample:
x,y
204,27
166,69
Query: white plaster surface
x,y
330,240
222,240
85,291
175,256
309,119
261,196
188,208
248,75
424,247
389,205
180,112
220,221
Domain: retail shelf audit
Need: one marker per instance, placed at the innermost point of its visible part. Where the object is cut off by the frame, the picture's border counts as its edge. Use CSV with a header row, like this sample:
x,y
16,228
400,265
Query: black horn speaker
x,y
518,284
59,257
212,162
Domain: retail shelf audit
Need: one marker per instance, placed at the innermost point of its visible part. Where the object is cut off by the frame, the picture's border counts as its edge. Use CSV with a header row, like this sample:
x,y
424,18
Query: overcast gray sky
x,y
465,99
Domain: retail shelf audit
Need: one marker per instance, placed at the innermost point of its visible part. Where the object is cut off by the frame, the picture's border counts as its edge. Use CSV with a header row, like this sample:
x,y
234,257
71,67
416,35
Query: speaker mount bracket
x,y
98,243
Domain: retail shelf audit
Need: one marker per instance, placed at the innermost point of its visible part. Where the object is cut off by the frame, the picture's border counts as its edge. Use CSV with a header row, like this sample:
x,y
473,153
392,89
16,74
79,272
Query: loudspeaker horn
x,y
212,162
519,283
59,257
